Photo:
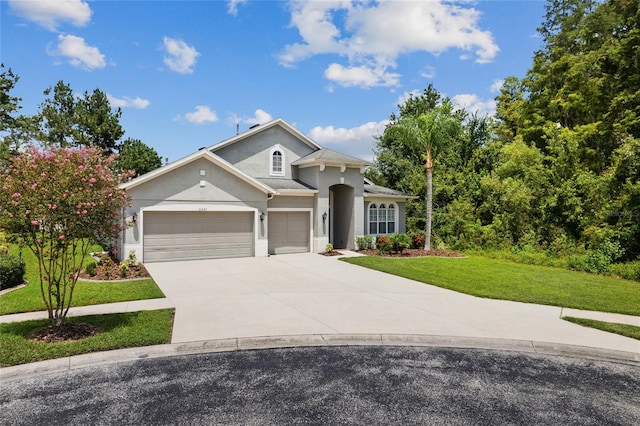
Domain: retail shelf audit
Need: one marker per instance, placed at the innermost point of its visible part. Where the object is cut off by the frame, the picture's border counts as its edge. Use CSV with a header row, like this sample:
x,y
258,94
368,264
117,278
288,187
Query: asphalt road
x,y
331,386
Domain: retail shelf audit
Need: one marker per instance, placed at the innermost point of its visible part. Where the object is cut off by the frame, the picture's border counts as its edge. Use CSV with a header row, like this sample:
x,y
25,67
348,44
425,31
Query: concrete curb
x,y
313,340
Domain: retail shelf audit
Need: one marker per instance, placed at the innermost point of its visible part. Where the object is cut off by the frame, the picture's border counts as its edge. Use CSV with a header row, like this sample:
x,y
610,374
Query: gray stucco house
x,y
269,190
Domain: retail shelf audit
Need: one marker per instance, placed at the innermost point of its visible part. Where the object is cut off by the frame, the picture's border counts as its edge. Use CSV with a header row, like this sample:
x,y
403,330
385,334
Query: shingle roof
x,y
282,183
384,191
329,156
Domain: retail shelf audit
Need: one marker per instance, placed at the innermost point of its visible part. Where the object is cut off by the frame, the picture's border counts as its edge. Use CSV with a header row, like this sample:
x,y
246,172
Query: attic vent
x,y
201,148
254,126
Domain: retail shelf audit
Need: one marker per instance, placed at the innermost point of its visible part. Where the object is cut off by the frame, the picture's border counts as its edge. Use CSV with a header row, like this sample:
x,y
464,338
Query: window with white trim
x,y
382,218
277,162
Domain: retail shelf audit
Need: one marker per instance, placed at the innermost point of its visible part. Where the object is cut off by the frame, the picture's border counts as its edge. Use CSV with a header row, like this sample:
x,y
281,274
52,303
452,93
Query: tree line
x,y
557,169
66,120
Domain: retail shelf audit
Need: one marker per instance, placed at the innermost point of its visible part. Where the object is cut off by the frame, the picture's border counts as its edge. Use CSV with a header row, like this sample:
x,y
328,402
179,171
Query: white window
x,y
382,219
277,162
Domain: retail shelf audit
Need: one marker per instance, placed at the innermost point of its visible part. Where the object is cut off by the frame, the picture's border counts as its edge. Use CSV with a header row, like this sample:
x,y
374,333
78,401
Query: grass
x,y
29,298
123,330
622,329
497,279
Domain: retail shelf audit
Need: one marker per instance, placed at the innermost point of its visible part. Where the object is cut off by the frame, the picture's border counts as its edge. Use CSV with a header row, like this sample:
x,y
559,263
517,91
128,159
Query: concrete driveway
x,y
305,294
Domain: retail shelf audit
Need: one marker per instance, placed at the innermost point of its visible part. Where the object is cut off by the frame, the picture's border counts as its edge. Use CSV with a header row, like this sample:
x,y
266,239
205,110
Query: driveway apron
x,y
312,294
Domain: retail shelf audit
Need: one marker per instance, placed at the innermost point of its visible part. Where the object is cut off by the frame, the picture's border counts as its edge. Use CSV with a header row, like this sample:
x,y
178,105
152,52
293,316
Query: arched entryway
x,y
341,225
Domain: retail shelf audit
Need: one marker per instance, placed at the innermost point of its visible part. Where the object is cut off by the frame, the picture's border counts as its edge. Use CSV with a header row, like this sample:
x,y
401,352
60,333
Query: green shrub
x,y
364,242
124,268
328,248
400,242
91,268
105,261
383,245
12,270
629,270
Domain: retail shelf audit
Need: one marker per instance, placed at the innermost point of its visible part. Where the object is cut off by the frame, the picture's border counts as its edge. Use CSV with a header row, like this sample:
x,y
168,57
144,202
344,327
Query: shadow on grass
x,y
122,330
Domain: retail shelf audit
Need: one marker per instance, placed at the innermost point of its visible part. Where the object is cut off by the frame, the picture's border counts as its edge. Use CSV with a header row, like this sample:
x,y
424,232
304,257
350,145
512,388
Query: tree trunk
x,y
429,167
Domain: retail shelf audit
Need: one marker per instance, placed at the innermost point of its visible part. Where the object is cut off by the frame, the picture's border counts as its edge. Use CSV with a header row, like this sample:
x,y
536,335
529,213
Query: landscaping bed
x,y
114,271
412,253
105,268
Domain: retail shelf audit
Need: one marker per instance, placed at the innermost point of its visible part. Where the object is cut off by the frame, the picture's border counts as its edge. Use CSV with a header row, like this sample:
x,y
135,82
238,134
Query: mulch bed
x,y
331,253
414,253
67,332
112,272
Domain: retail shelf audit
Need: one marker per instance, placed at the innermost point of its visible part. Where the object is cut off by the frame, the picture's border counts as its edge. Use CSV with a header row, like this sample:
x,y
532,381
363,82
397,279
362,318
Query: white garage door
x,y
197,235
288,232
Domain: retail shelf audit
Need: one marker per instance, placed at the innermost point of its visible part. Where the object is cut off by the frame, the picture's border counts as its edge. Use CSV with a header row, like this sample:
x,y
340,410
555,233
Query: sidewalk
x,y
164,303
109,308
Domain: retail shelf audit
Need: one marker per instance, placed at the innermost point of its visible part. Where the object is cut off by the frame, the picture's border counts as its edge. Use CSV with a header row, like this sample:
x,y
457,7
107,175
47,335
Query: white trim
x,y
277,148
396,216
295,209
218,161
389,196
277,122
297,192
208,208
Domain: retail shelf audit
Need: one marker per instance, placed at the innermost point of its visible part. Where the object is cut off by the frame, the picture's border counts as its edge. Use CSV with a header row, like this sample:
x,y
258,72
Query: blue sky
x,y
185,73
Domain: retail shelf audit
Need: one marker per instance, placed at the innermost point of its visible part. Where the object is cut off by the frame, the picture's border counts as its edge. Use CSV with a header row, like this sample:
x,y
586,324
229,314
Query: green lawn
x,y
623,329
497,279
29,298
123,330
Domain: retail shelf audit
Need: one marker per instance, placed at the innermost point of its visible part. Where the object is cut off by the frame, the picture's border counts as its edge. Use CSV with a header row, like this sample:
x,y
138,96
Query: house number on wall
x,y
202,209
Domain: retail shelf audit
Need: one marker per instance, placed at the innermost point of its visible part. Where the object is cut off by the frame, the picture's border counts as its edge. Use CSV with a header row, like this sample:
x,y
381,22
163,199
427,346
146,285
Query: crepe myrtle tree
x,y
60,201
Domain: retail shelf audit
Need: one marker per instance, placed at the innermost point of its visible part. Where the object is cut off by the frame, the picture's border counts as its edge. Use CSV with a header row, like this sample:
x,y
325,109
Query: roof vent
x,y
254,126
201,148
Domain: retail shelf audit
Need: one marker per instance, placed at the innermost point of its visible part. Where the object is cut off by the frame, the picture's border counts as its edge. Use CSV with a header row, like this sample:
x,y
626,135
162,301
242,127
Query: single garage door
x,y
288,232
197,235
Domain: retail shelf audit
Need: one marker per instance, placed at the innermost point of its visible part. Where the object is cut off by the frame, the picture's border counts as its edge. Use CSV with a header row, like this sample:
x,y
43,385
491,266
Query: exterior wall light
x,y
324,217
262,216
134,219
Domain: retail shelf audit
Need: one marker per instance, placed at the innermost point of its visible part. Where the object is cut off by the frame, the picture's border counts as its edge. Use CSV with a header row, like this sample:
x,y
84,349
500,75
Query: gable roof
x,y
329,156
372,190
207,155
279,122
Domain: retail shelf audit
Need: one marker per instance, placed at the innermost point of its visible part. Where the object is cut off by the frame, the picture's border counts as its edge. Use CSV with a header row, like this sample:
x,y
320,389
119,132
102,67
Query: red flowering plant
x,y
61,201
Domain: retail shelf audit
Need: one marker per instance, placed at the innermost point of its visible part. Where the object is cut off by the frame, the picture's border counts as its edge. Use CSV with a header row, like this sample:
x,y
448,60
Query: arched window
x,y
277,162
382,219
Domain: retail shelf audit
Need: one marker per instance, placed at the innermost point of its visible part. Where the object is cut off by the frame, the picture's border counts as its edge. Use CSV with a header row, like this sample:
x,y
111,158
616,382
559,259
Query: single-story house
x,y
269,190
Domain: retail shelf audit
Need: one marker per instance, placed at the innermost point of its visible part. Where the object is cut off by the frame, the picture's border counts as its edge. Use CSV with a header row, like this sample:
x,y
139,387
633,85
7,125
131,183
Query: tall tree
x,y
96,123
430,131
15,129
87,120
137,157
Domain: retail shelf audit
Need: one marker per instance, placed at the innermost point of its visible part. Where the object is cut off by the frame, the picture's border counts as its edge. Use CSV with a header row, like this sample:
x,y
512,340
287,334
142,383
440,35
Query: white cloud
x,y
375,34
180,57
127,102
428,72
356,141
472,103
361,76
232,7
79,54
496,85
201,115
51,13
259,117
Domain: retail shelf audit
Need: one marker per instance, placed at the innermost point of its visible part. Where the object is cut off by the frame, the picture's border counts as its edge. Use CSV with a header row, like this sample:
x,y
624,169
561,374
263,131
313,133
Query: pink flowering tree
x,y
61,201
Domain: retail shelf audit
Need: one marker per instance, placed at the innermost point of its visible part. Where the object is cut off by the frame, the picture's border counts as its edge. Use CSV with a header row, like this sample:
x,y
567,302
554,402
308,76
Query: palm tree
x,y
430,131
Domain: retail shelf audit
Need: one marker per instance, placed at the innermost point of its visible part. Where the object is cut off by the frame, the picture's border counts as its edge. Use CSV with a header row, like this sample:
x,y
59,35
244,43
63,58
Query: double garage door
x,y
197,235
